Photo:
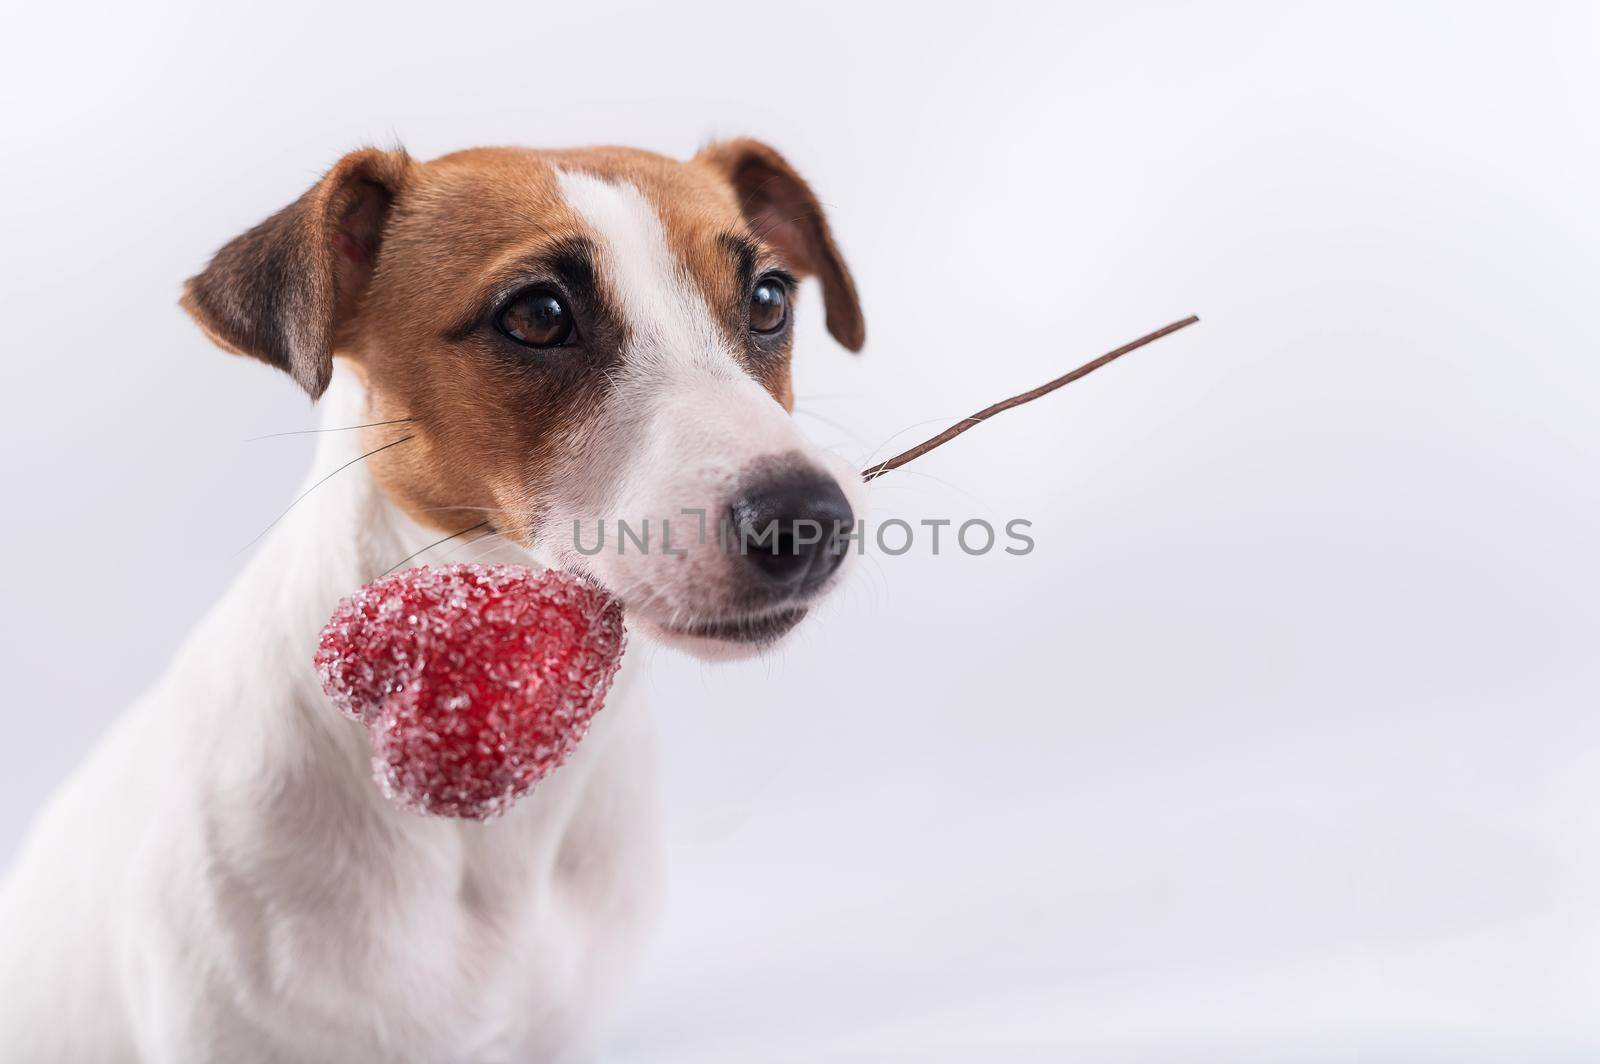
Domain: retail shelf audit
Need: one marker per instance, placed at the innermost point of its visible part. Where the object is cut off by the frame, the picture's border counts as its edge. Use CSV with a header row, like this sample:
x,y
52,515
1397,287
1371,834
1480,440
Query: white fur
x,y
681,422
222,881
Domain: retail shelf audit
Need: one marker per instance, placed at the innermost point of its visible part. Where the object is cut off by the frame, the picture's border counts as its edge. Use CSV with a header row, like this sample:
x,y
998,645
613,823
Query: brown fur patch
x,y
277,292
784,213
394,266
490,427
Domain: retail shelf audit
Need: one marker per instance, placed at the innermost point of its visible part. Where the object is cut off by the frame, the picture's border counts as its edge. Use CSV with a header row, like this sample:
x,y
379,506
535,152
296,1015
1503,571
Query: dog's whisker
x,y
776,221
951,485
813,397
908,428
435,543
441,509
841,426
302,496
497,537
744,204
341,428
481,546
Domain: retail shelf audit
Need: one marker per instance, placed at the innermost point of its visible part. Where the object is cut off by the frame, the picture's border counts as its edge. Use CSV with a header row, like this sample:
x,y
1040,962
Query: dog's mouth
x,y
753,630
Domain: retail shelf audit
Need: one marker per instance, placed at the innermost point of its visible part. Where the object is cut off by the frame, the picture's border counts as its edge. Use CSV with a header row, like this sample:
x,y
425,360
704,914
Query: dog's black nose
x,y
792,528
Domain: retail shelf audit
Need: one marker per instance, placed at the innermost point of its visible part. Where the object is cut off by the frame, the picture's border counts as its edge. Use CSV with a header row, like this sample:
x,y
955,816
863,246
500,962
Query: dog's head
x,y
587,350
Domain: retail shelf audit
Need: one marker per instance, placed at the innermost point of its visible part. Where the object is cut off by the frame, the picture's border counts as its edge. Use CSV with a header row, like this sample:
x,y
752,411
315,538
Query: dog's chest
x,y
411,938
503,963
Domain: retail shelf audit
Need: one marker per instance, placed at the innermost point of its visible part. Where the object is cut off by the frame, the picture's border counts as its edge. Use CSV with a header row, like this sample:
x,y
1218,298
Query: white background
x,y
1282,745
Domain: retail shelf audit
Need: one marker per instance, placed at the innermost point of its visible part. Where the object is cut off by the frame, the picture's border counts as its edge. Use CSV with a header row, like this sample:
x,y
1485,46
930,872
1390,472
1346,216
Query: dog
x,y
528,344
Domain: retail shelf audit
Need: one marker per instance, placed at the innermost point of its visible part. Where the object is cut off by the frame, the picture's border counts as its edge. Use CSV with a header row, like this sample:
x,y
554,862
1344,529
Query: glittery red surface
x,y
474,681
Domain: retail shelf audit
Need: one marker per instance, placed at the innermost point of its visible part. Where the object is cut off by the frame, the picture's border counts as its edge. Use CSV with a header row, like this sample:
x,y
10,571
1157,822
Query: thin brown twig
x,y
875,471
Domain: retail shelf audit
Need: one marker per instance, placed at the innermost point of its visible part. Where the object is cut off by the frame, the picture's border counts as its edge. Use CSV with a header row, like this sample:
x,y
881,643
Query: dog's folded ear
x,y
281,291
782,210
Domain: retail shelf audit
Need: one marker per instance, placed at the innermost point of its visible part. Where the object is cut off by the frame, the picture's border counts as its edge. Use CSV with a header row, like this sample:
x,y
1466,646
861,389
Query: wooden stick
x,y
876,471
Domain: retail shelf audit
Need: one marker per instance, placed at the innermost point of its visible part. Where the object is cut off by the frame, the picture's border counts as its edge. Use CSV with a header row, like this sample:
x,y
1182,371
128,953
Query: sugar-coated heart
x,y
474,681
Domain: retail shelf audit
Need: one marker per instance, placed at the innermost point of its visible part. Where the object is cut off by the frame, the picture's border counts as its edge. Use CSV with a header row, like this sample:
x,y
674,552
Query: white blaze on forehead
x,y
680,425
667,318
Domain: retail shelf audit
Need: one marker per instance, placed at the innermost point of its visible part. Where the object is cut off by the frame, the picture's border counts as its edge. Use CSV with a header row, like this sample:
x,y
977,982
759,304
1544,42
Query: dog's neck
x,y
286,802
344,528
342,533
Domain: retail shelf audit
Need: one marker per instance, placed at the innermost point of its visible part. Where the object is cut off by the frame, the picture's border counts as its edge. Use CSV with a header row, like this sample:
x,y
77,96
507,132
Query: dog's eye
x,y
769,306
536,317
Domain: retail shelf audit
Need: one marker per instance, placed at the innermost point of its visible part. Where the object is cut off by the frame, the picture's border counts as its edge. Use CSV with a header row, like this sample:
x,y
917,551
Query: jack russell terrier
x,y
529,342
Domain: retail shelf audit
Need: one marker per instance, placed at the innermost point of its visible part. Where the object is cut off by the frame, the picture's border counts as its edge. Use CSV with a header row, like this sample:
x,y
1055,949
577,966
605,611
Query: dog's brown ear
x,y
782,210
281,291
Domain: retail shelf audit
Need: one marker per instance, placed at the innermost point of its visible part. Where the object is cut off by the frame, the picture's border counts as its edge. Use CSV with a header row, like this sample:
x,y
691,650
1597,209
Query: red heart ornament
x,y
474,682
